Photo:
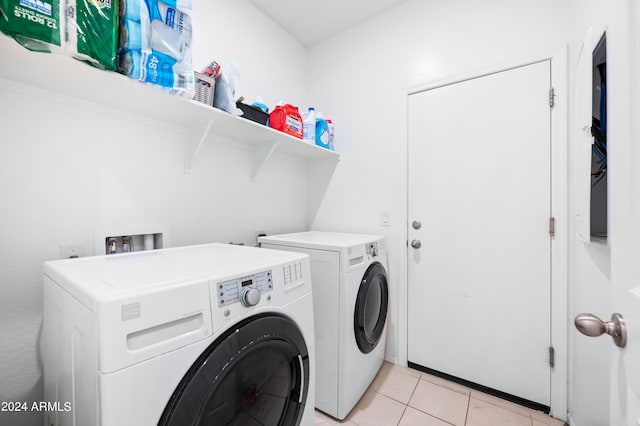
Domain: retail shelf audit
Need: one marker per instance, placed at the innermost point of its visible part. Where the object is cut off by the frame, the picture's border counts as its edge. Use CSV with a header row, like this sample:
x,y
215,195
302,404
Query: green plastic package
x,y
36,24
92,28
85,29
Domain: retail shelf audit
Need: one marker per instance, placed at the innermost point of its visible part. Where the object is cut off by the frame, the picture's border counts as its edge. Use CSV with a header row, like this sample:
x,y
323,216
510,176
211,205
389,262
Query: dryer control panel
x,y
246,290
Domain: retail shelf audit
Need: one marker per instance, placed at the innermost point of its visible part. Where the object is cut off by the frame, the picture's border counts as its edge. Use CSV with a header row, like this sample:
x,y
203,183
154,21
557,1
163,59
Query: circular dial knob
x,y
250,297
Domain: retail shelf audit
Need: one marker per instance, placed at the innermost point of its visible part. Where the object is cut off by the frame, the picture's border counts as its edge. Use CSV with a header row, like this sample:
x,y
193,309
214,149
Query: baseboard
x,y
392,360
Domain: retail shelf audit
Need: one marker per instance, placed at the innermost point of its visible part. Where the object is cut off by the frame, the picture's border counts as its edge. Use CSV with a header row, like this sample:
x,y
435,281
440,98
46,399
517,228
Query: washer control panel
x,y
246,290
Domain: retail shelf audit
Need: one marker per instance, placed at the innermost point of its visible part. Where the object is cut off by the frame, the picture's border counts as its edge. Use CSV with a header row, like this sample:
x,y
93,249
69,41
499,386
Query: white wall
x,y
272,64
360,78
68,168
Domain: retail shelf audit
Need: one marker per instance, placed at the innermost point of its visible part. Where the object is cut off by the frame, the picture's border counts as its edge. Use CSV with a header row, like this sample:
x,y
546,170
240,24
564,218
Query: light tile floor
x,y
406,397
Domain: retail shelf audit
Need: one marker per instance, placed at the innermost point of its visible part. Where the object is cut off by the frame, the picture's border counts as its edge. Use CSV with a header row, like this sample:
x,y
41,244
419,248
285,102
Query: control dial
x,y
250,297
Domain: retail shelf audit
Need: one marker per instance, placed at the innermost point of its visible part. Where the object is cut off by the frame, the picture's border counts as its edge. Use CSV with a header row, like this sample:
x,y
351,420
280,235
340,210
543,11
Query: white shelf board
x,y
67,76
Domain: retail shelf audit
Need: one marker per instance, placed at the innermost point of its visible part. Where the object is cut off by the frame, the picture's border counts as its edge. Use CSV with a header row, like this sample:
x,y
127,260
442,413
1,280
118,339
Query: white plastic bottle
x,y
309,125
171,34
331,133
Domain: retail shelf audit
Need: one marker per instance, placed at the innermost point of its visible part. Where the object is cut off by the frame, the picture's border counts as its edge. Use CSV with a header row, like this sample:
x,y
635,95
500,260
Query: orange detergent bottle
x,y
287,119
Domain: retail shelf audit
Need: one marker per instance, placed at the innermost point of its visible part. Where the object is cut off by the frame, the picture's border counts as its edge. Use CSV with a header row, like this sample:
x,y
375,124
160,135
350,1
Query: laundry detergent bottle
x,y
322,132
286,118
332,130
309,120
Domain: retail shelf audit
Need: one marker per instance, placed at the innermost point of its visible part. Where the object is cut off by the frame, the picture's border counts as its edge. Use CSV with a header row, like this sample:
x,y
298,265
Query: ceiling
x,y
311,21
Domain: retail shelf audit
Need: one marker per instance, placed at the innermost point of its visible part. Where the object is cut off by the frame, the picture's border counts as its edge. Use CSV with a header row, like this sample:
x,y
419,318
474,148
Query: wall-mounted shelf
x,y
266,141
72,78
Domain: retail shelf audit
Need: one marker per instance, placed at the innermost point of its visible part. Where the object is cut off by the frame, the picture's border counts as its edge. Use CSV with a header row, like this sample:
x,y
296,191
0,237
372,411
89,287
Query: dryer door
x,y
371,308
257,373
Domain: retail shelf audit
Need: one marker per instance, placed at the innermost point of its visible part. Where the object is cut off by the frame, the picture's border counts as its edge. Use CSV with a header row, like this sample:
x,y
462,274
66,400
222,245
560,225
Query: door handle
x,y
591,325
416,244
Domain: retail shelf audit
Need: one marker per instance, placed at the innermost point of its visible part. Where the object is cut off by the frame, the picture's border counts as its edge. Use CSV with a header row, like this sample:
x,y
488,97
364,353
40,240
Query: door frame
x,y
559,210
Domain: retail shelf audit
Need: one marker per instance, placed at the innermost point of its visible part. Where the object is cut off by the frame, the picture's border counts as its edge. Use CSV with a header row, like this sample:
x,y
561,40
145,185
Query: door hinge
x,y
552,97
552,357
552,226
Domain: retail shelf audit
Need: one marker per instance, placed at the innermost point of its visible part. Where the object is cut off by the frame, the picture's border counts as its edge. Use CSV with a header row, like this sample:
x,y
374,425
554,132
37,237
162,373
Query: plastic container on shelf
x,y
322,131
331,134
309,121
204,88
287,119
253,113
258,102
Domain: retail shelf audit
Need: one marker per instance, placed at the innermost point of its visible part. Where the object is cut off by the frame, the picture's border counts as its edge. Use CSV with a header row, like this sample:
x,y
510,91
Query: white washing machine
x,y
350,293
211,334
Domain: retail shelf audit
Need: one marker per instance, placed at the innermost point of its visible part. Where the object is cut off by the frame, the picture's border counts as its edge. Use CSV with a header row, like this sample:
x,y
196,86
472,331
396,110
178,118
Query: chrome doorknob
x,y
416,224
591,325
416,244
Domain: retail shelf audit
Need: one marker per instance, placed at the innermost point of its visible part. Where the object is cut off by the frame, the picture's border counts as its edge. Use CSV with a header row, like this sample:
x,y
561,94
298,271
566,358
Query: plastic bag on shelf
x,y
224,97
155,43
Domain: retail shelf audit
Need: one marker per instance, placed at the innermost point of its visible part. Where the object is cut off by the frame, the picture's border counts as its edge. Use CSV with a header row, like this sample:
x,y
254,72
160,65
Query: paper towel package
x,y
92,29
36,24
85,29
147,40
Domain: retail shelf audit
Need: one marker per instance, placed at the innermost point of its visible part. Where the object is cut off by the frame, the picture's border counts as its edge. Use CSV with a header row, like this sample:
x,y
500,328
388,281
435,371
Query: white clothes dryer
x,y
350,293
212,334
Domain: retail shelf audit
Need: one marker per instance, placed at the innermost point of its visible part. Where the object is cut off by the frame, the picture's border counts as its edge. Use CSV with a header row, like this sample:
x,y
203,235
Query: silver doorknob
x,y
416,224
591,325
416,244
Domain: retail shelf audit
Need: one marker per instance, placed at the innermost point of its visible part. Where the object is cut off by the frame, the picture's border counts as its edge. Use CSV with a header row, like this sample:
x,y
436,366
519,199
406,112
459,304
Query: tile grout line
x,y
470,395
394,399
505,405
466,415
467,391
387,396
424,412
410,396
402,415
414,390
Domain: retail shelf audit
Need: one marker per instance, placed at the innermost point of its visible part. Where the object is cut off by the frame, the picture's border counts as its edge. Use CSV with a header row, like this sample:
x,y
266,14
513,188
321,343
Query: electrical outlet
x,y
72,251
385,218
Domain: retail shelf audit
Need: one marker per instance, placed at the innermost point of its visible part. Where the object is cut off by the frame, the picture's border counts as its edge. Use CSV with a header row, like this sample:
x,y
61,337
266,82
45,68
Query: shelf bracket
x,y
261,155
196,135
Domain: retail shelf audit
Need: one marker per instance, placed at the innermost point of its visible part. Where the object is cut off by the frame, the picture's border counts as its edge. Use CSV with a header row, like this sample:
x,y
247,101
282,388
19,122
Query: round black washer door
x,y
257,373
371,308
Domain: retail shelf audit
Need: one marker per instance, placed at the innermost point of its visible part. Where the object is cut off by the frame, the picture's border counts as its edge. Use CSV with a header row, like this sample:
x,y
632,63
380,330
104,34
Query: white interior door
x,y
623,105
624,396
479,286
623,159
